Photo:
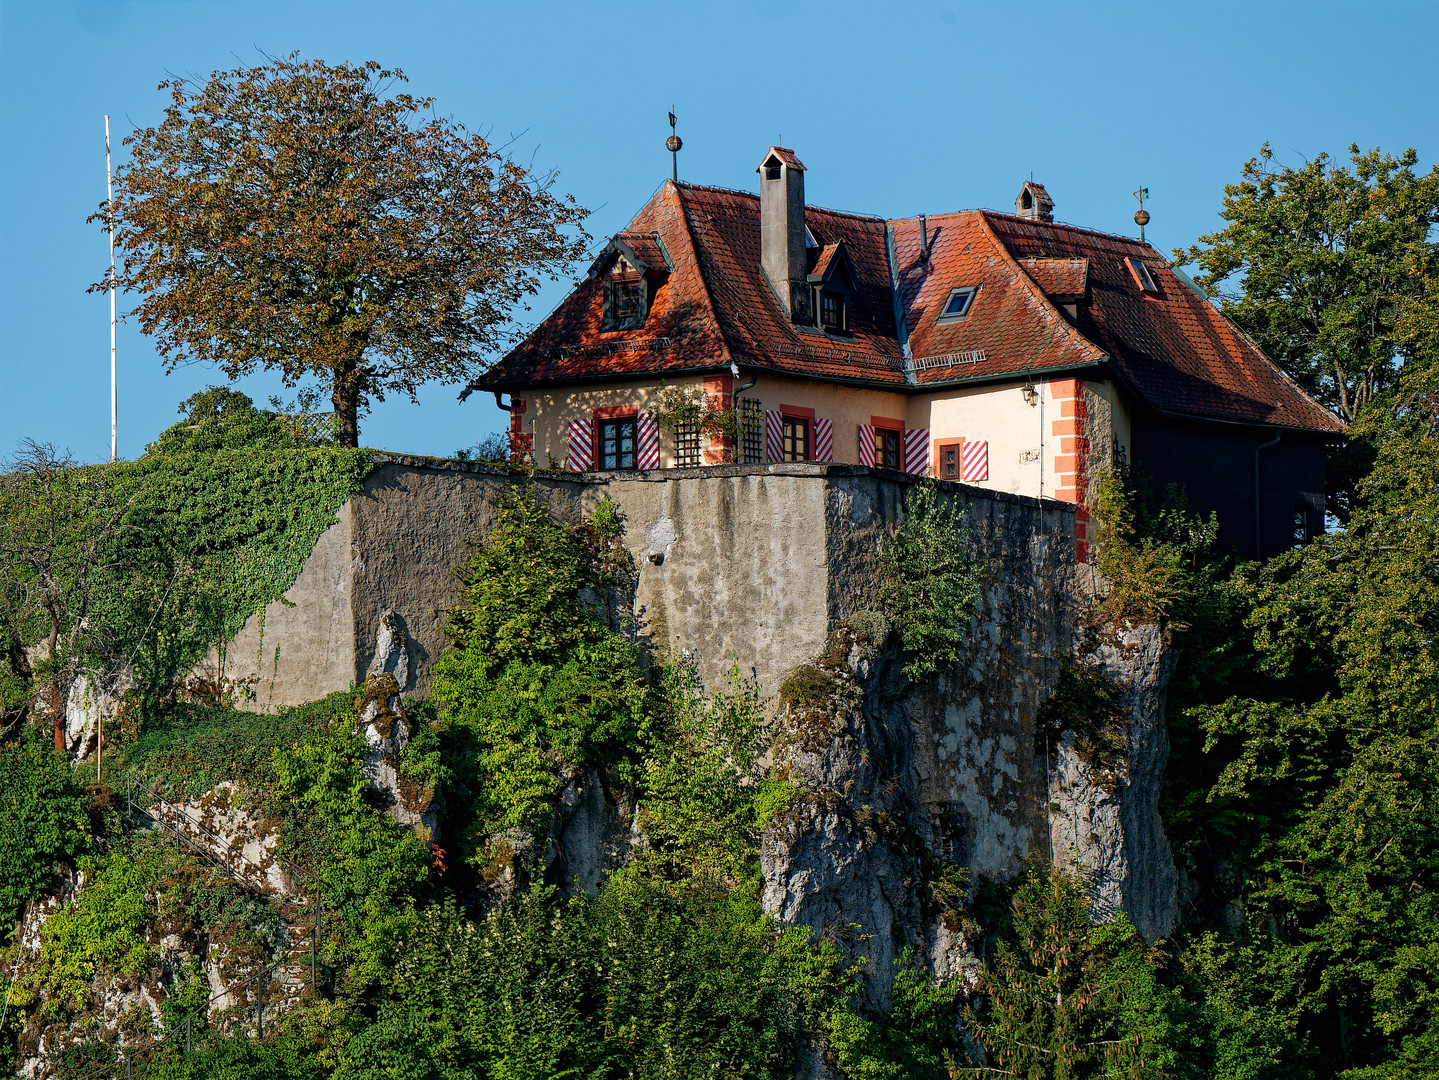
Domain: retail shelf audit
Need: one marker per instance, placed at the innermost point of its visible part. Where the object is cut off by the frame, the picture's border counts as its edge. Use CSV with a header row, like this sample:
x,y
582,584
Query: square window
x,y
886,448
617,443
687,445
627,300
949,461
796,439
958,304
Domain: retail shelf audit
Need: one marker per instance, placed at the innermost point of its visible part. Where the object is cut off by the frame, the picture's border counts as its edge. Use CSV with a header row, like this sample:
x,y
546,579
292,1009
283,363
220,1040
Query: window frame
x,y
788,422
883,437
622,275
968,291
940,446
1142,275
617,421
689,446
841,306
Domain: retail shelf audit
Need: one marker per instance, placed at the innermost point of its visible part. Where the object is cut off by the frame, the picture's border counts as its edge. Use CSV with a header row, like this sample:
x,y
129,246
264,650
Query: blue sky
x,y
896,109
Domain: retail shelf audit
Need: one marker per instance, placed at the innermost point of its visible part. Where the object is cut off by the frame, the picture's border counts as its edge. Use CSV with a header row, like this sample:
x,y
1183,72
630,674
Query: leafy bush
x,y
44,820
702,808
1062,997
533,677
931,582
185,749
105,930
1152,552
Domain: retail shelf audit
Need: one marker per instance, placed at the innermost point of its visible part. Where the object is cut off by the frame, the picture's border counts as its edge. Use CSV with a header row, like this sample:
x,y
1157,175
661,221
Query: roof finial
x,y
673,144
1141,216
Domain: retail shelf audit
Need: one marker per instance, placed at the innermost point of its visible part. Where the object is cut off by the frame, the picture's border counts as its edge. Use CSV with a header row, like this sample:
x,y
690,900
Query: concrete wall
x,y
753,566
738,564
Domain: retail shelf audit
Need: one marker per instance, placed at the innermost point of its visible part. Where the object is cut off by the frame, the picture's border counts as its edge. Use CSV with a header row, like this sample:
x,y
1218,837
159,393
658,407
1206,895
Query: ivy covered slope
x,y
132,571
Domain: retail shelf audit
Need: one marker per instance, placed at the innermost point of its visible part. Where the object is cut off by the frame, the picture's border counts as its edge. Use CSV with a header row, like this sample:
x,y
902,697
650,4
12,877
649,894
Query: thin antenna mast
x,y
673,144
110,215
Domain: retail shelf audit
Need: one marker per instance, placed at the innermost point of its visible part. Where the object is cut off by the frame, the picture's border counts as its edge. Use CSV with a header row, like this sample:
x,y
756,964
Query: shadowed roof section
x,y
1170,347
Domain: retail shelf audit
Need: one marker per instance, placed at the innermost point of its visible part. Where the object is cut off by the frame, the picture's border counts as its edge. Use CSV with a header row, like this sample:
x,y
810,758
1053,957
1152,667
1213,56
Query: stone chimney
x,y
1033,202
781,229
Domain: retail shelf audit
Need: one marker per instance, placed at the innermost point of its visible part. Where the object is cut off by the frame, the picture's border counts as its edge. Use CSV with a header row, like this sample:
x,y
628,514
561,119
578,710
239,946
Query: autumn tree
x,y
305,218
1321,262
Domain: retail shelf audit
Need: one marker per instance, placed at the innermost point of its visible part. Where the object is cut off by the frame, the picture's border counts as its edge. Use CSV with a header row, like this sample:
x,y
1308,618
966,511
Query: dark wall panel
x,y
1215,465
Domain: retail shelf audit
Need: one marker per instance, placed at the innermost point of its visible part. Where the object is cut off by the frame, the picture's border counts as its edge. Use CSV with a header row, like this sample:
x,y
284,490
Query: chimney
x,y
781,232
1033,202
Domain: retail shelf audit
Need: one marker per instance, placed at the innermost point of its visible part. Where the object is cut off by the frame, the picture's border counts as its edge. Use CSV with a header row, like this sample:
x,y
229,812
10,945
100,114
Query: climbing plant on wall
x,y
213,522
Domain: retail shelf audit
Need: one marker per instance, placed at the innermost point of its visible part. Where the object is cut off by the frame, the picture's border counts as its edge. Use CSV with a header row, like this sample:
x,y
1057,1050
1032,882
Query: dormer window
x,y
957,304
832,311
1142,276
624,297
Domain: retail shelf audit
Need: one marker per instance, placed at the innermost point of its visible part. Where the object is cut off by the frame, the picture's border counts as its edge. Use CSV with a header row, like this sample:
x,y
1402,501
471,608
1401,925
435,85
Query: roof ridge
x,y
753,195
1030,285
1145,244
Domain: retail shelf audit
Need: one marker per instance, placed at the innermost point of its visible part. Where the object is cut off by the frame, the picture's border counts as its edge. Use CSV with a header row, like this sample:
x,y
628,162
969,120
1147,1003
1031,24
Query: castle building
x,y
1007,351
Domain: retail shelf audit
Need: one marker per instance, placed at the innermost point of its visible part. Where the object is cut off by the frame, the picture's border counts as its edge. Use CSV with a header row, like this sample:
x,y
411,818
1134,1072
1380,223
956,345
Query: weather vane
x,y
1141,216
673,144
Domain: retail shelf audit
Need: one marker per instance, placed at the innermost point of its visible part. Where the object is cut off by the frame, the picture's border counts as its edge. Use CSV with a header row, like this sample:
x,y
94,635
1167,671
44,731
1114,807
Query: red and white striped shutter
x,y
773,435
824,440
916,450
647,437
581,457
974,461
866,445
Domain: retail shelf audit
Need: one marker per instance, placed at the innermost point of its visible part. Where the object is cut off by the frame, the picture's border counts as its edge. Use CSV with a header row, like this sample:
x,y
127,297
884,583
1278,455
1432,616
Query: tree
x,y
57,517
1328,259
1066,999
299,217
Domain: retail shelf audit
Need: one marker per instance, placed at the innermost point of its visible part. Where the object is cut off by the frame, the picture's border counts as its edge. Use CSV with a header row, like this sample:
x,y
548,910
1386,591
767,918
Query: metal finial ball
x,y
1141,217
673,144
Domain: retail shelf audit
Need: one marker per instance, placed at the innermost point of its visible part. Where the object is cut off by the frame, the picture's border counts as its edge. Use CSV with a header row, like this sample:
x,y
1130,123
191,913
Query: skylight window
x,y
1142,277
958,304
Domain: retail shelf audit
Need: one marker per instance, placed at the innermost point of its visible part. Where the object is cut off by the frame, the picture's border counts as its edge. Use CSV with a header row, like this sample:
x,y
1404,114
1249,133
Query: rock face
x,y
908,789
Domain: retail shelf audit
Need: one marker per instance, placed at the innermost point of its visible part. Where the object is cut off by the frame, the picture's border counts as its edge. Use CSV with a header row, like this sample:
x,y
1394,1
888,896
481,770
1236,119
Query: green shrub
x,y
44,820
930,583
702,806
537,683
1151,551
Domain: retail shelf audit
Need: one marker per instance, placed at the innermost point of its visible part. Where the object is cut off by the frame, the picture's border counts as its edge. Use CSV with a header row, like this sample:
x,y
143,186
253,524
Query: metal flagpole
x,y
109,209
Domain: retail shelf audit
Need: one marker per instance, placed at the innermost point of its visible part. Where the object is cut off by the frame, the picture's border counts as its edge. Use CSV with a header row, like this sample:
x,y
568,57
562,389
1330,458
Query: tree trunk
x,y
345,396
57,716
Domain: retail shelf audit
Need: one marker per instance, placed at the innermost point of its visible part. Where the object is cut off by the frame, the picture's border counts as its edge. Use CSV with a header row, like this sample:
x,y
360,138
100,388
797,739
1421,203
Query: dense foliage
x,y
1300,799
44,822
144,566
302,217
931,582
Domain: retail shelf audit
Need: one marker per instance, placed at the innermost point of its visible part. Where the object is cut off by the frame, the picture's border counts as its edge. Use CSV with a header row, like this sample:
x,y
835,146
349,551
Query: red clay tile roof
x,y
1065,280
823,259
1010,327
648,248
1173,349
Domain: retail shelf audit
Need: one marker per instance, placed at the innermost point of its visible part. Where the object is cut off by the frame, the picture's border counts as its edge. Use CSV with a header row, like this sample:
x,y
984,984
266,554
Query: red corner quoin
x,y
1071,461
